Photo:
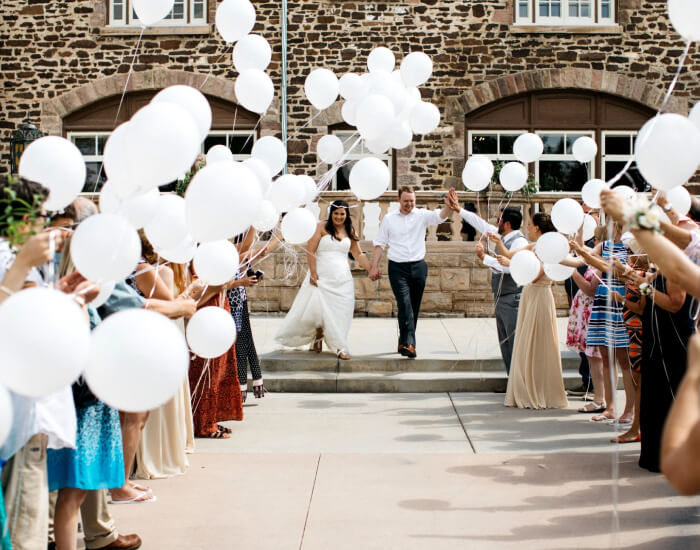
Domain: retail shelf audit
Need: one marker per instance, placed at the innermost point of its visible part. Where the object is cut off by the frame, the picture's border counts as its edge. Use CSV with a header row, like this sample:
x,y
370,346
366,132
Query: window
x,y
92,144
617,150
556,170
341,180
184,12
564,12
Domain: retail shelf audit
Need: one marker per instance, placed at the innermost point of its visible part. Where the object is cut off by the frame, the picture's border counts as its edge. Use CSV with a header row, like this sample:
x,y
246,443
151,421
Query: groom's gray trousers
x,y
408,282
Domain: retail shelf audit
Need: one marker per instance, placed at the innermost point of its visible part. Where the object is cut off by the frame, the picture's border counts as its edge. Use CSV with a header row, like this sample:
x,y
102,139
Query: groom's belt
x,y
407,263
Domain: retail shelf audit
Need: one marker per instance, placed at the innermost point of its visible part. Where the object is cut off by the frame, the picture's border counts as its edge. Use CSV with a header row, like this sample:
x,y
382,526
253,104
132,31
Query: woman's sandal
x,y
600,418
218,434
624,438
244,394
592,407
343,356
259,391
224,429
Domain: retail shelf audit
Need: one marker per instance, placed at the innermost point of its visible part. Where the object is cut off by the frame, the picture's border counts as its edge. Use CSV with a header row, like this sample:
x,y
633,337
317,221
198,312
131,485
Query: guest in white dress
x,y
325,303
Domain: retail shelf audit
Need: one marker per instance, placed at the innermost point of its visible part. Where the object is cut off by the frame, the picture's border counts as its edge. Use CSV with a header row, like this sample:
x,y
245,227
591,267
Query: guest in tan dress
x,y
535,380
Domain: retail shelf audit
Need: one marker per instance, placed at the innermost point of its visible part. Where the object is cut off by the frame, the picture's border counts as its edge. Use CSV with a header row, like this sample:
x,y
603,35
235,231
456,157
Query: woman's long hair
x,y
349,229
543,222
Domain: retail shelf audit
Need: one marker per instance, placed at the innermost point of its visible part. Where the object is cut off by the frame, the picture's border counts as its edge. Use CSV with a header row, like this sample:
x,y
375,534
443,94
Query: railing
x,y
367,216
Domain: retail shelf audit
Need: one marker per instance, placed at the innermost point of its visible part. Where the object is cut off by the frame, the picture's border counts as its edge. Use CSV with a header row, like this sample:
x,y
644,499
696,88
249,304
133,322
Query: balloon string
x,y
211,67
252,133
205,371
304,125
121,100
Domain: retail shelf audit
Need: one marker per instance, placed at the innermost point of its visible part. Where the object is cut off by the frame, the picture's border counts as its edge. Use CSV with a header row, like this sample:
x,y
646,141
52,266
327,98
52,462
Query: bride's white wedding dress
x,y
330,305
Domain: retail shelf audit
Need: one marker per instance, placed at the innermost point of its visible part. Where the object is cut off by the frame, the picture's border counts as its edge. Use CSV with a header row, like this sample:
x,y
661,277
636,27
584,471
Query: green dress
x,y
4,531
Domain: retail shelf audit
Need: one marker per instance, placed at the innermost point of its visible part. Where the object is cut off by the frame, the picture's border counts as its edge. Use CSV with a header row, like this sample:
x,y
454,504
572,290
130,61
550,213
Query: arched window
x,y
560,117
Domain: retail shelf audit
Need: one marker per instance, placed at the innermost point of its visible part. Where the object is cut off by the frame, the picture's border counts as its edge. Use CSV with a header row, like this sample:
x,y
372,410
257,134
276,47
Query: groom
x,y
403,231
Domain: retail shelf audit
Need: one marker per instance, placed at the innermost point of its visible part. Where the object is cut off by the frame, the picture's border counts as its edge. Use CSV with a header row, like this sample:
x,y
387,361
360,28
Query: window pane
x,y
117,10
562,176
86,144
241,145
101,140
556,9
585,10
632,178
618,145
93,169
605,11
523,8
198,9
544,9
570,140
506,143
573,9
553,144
210,141
485,145
342,178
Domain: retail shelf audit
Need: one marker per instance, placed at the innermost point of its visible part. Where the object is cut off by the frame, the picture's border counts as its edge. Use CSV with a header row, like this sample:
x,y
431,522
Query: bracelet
x,y
641,214
6,290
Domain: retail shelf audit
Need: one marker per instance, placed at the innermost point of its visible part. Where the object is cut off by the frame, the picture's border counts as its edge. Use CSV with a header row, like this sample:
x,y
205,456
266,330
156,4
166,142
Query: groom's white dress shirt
x,y
405,233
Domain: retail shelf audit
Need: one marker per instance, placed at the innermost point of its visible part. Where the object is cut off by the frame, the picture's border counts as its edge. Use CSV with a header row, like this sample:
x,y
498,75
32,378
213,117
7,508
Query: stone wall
x,y
51,49
457,286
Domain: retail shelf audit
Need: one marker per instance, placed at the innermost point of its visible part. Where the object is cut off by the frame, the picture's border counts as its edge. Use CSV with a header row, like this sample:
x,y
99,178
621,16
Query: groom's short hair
x,y
513,216
405,189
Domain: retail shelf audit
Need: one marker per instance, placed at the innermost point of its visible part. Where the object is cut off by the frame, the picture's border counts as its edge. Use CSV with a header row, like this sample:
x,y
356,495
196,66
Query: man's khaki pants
x,y
98,525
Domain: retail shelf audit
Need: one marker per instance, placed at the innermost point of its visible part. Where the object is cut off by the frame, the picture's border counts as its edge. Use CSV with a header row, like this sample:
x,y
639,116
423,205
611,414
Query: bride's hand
x,y
313,279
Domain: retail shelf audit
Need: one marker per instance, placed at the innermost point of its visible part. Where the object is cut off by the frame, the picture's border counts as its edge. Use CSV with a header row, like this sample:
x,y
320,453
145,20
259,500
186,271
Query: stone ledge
x,y
574,29
155,31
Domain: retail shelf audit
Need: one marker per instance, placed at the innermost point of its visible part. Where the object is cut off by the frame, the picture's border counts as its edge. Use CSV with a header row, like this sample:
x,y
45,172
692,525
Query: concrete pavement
x,y
412,471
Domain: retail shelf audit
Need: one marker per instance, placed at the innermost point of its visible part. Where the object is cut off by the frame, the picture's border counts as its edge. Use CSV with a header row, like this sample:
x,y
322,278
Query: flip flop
x,y
599,418
142,498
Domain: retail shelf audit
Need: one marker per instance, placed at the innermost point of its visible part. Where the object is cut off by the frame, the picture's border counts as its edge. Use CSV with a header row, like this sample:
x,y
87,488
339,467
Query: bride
x,y
324,305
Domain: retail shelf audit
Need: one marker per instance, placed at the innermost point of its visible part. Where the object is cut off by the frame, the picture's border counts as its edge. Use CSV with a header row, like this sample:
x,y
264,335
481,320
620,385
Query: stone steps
x,y
324,373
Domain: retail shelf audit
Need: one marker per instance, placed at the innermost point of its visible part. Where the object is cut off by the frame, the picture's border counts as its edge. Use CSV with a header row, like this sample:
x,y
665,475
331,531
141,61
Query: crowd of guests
x,y
634,306
70,456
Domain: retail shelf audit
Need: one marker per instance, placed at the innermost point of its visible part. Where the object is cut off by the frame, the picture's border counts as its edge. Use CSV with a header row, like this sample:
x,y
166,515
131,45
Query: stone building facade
x,y
65,65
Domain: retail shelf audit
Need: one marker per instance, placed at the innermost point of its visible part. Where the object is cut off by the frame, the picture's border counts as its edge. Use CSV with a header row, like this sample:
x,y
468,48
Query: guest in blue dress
x,y
4,531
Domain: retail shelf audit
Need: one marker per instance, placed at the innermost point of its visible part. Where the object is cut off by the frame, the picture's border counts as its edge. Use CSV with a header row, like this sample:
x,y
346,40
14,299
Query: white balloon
x,y
168,228
6,414
424,118
150,12
483,161
181,253
136,344
310,188
374,115
44,341
349,112
105,247
321,88
589,225
261,171
116,163
667,151
106,289
558,272
528,147
475,175
625,191
193,101
590,192
219,153
524,267
330,149
267,217
381,60
162,140
567,216
272,152
235,19
400,135
416,69
58,165
287,192
413,98
378,146
221,201
211,332
352,87
513,176
139,209
552,247
685,18
369,178
585,149
680,199
216,262
251,52
298,226
392,89
254,90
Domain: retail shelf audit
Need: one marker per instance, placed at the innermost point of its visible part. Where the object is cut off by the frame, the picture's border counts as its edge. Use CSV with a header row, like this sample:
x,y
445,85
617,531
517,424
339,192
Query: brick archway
x,y
55,109
634,89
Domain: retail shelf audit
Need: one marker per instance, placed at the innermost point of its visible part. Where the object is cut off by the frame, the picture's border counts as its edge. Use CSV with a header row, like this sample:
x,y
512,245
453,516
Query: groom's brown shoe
x,y
408,351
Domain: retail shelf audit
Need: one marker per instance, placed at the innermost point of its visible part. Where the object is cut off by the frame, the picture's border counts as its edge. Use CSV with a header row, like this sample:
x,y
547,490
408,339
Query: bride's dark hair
x,y
349,229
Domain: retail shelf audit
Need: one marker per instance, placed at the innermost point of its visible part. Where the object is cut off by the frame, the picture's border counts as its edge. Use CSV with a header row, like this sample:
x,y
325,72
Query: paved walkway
x,y
412,471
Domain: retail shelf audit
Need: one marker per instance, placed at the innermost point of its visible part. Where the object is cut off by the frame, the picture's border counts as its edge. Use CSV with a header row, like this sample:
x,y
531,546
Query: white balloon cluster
x,y
384,105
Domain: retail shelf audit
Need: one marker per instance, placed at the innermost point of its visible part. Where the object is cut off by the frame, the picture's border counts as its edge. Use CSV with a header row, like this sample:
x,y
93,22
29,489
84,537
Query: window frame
x,y
96,134
227,134
129,21
533,18
604,157
348,136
